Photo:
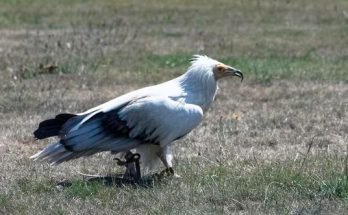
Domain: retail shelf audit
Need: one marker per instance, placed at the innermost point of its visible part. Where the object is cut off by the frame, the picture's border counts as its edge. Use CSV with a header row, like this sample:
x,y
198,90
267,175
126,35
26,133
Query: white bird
x,y
147,120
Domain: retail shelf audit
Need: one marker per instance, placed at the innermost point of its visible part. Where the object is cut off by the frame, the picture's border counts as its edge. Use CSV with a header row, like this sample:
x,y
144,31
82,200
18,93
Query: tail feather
x,y
65,157
56,153
51,151
88,138
51,127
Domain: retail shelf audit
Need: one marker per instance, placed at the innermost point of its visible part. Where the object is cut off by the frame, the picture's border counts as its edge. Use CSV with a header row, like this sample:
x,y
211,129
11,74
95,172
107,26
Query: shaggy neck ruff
x,y
199,80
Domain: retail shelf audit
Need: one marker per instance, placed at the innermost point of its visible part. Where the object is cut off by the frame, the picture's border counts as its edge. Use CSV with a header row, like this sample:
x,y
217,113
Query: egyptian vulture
x,y
147,120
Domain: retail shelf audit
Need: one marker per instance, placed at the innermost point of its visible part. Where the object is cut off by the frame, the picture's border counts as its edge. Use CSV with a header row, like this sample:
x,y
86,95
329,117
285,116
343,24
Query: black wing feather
x,y
51,127
118,127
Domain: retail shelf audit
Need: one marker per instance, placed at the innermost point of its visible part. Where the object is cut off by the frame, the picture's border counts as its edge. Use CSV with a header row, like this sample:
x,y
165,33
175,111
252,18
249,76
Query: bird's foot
x,y
129,158
168,172
132,165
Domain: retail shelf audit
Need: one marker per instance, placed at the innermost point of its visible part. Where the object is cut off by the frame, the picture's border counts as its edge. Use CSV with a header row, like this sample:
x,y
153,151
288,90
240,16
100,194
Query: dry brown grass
x,y
249,156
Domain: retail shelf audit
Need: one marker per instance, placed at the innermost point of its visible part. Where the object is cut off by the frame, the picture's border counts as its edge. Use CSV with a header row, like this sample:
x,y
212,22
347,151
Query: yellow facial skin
x,y
220,71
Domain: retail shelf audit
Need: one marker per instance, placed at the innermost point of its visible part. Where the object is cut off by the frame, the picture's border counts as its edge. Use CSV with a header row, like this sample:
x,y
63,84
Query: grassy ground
x,y
274,144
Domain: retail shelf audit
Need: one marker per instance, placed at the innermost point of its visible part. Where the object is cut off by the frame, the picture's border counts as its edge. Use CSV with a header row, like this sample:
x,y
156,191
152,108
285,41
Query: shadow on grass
x,y
82,188
116,180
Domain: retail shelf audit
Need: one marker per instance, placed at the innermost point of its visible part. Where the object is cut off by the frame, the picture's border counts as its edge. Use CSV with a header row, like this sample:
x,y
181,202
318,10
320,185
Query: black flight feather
x,y
51,127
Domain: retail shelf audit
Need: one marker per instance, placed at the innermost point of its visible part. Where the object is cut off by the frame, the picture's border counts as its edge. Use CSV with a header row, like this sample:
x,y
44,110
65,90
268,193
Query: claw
x,y
132,165
130,158
120,162
166,172
171,172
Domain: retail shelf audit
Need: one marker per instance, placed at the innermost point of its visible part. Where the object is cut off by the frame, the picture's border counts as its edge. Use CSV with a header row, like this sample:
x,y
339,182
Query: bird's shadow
x,y
114,180
132,176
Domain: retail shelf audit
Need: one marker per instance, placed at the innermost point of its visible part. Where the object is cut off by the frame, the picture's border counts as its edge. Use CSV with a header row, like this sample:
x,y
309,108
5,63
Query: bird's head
x,y
218,69
221,70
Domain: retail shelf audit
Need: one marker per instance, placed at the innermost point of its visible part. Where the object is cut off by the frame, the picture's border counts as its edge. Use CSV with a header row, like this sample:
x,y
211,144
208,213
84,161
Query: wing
x,y
153,119
160,120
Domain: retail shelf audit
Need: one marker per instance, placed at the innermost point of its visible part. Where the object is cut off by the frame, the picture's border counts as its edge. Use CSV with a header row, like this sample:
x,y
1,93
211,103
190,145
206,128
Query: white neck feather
x,y
200,82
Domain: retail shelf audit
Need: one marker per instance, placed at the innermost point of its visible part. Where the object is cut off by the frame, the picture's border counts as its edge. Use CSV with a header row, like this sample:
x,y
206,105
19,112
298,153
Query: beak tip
x,y
239,74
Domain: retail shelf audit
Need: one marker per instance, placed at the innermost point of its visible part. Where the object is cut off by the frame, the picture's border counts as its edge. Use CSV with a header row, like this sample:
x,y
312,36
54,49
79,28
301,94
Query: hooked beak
x,y
235,72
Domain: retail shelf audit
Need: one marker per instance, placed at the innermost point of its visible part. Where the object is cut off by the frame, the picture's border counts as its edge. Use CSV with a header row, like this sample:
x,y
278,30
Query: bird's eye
x,y
220,68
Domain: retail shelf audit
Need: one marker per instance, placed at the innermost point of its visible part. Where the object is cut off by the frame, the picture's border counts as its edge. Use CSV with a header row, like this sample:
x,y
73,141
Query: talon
x,y
163,173
170,171
120,162
157,176
167,172
131,162
130,158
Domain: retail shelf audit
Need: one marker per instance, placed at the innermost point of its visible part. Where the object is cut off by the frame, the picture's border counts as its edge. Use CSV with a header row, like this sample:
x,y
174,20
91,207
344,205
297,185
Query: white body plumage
x,y
147,120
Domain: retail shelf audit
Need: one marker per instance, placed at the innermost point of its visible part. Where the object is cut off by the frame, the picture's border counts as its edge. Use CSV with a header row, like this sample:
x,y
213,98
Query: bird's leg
x,y
169,167
166,157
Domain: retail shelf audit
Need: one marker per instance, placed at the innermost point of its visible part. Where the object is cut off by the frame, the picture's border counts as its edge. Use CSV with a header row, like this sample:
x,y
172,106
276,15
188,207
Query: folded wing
x,y
151,119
